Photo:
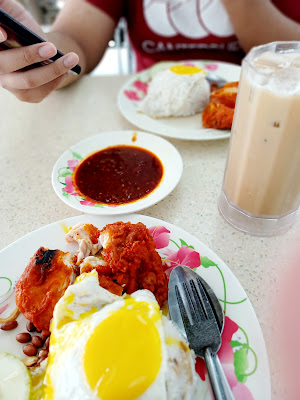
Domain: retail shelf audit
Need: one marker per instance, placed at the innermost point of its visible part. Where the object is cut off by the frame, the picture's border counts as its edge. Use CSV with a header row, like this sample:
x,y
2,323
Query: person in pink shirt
x,y
158,30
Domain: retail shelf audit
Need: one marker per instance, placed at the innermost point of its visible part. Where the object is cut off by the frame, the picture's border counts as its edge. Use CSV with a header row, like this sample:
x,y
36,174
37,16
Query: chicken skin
x,y
42,284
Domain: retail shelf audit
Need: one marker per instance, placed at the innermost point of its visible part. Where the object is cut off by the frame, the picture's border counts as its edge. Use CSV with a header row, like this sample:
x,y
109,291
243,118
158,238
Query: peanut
x,y
30,361
40,360
30,327
43,353
37,341
23,337
47,342
45,334
29,350
9,325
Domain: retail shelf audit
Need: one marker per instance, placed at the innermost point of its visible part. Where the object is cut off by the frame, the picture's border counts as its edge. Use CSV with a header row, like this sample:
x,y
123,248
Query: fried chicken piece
x,y
217,116
104,273
231,85
86,235
128,260
42,284
226,95
96,261
129,251
106,281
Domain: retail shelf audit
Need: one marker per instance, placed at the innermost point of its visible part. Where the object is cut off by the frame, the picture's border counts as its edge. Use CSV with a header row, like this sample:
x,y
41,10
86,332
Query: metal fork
x,y
202,330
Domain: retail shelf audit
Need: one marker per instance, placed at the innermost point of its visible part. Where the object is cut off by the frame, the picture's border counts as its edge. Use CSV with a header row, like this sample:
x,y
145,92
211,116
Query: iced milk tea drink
x,y
261,188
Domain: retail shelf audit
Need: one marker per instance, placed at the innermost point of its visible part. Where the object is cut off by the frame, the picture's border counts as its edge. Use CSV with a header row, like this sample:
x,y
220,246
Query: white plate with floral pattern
x,y
63,171
242,354
190,128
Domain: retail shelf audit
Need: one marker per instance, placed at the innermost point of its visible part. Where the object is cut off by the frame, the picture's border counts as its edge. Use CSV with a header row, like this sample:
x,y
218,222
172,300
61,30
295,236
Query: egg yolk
x,y
186,70
123,355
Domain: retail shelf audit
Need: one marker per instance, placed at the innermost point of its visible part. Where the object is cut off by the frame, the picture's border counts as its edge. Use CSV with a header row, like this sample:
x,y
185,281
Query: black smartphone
x,y
18,35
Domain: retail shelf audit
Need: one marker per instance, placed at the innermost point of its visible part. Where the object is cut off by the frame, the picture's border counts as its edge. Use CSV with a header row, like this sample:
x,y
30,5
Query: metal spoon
x,y
215,80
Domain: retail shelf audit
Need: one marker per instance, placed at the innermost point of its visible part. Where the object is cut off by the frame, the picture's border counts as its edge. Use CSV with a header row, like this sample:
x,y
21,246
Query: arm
x,y
81,31
257,22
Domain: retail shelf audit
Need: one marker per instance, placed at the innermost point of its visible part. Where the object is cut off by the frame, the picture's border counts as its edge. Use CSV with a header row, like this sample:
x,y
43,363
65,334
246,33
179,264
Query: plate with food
x,y
117,172
84,314
192,100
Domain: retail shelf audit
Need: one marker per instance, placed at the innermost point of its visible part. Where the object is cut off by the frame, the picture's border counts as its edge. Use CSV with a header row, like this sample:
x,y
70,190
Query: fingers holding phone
x,y
30,67
36,95
34,84
3,35
15,59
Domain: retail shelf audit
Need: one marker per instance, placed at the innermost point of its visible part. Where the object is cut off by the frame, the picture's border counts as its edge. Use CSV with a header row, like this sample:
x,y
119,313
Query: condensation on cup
x,y
261,187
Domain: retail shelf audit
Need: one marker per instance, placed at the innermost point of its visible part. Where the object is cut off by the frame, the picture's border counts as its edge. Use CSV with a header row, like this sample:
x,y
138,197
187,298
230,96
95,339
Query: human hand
x,y
35,84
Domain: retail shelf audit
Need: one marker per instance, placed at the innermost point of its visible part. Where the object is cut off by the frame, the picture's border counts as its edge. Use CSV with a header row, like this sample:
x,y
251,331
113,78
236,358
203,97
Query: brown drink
x,y
261,188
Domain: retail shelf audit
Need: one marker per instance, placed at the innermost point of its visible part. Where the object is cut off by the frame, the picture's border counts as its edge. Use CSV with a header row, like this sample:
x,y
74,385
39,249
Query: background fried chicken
x,y
218,114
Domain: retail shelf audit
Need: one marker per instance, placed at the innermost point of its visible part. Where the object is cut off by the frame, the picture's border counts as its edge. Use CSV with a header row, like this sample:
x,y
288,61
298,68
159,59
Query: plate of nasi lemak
x,y
190,99
84,315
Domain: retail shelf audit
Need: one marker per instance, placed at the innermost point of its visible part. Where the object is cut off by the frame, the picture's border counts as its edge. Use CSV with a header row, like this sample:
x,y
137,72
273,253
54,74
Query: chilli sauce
x,y
118,175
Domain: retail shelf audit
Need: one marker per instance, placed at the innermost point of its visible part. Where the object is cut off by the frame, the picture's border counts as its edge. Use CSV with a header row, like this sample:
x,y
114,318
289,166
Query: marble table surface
x,y
33,136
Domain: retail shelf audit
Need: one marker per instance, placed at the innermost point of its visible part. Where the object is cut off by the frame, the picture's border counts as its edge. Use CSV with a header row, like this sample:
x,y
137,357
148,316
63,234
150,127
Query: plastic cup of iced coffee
x,y
261,187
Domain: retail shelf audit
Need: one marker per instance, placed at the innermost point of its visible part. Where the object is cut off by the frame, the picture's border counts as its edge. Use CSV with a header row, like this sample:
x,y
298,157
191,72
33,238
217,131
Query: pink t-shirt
x,y
161,30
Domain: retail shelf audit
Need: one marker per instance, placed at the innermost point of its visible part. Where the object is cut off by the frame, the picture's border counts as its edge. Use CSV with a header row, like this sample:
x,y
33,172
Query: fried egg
x,y
178,91
109,347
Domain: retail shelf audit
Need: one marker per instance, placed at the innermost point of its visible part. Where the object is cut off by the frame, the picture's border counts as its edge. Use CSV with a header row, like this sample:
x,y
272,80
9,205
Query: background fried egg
x,y
178,91
108,347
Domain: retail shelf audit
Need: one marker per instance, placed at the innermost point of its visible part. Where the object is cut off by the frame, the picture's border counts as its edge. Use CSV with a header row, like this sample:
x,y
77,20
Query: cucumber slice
x,y
15,380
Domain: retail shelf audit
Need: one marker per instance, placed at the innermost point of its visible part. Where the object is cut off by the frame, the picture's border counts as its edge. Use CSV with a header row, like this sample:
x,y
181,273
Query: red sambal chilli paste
x,y
118,175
